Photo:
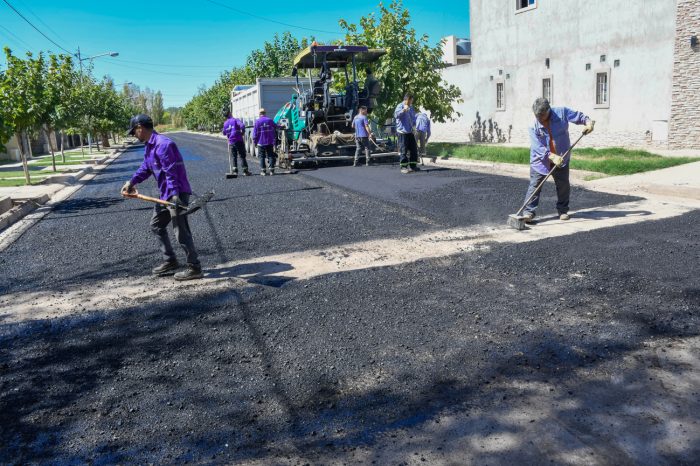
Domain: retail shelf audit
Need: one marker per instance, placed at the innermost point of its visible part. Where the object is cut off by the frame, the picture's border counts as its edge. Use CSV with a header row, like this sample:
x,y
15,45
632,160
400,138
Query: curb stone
x,y
25,206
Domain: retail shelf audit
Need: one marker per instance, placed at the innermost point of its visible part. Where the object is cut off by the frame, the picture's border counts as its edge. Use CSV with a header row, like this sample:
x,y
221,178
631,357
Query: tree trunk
x,y
105,140
90,143
29,145
114,138
80,141
25,167
47,131
63,143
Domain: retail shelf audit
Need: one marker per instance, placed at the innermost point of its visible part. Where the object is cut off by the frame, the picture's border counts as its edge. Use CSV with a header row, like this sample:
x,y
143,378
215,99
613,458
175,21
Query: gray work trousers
x,y
159,226
422,138
561,180
360,145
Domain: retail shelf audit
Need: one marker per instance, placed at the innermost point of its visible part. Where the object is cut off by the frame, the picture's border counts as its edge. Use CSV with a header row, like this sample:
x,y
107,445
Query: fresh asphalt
x,y
338,368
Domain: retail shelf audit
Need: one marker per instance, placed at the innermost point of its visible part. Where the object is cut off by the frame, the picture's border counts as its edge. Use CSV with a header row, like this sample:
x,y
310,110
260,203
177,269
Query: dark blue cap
x,y
139,120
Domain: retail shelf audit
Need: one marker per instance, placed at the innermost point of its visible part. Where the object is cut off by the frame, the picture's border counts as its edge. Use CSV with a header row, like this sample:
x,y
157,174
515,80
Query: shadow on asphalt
x,y
323,374
258,273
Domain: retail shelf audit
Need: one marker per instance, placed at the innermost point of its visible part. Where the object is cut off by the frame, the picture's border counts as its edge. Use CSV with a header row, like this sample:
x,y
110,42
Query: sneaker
x,y
246,173
166,268
564,217
190,273
528,217
263,173
272,171
405,170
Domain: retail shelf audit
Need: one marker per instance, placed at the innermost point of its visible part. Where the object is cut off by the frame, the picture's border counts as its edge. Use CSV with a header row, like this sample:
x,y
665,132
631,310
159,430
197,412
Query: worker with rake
x,y
405,116
549,137
163,160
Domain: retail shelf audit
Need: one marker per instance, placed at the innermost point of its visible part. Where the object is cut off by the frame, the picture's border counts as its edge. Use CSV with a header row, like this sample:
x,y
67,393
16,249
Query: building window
x,y
525,5
547,88
602,89
500,96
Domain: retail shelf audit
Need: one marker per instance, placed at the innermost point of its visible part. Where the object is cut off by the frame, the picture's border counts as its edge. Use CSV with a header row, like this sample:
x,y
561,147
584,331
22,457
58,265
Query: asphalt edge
x,y
17,220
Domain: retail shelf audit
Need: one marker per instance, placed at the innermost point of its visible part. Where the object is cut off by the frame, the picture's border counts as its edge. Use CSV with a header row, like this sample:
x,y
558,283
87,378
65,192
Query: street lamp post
x,y
81,59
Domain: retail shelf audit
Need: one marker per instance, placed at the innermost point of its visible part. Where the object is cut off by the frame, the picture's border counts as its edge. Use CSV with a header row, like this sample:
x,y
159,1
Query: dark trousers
x,y
159,226
235,150
408,150
362,144
267,152
561,180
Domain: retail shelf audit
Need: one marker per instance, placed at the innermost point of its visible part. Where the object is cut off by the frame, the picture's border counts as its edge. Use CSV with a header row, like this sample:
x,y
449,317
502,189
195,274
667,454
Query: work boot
x,y
415,168
190,273
166,268
263,173
405,170
528,217
246,172
564,217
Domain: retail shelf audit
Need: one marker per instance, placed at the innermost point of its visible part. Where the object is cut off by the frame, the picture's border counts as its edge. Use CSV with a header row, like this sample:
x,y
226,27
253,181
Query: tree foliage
x,y
411,64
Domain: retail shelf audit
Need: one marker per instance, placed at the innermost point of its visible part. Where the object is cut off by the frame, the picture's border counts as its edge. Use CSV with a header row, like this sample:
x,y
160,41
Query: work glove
x,y
589,127
128,188
557,160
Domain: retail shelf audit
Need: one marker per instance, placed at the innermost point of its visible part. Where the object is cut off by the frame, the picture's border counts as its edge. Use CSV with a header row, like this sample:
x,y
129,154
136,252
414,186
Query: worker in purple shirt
x,y
423,133
362,134
265,137
549,137
405,116
163,161
234,129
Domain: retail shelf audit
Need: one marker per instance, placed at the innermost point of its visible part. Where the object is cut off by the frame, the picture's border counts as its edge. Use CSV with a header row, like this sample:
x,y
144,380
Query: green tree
x,y
157,108
21,98
411,64
276,57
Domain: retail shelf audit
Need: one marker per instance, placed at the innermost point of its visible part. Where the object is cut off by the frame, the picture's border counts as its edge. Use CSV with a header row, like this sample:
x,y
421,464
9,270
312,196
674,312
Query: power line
x,y
253,15
26,8
13,36
36,28
157,71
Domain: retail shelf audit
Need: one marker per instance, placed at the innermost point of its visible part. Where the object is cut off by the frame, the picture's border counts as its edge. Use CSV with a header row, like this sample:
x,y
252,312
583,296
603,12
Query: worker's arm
x,y
427,133
256,133
226,129
141,174
399,110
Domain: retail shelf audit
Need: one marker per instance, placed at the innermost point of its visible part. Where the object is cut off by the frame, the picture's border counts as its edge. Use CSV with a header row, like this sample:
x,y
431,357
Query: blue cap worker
x,y
163,161
549,137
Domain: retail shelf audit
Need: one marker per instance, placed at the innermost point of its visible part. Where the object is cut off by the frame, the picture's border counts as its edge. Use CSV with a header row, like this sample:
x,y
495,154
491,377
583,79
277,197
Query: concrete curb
x,y
25,206
21,210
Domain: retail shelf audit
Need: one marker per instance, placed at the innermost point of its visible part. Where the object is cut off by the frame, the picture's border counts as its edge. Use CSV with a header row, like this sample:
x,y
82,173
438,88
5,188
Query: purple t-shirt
x,y
163,160
361,122
234,129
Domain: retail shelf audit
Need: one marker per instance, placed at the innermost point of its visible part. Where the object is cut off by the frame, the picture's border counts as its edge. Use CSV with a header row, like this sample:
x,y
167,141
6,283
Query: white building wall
x,y
571,34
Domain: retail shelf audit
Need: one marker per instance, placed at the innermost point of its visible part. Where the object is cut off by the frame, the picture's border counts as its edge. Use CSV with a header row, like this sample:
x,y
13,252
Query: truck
x,y
268,93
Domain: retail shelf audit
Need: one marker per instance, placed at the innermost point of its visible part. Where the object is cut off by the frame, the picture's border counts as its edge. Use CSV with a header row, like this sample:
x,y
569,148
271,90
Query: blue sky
x,y
177,46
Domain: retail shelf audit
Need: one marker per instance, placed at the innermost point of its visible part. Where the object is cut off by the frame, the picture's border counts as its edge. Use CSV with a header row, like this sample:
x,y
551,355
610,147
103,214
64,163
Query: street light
x,y
81,59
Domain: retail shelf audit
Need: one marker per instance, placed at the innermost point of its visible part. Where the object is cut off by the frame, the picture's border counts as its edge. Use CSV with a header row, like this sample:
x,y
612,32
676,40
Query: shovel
x,y
517,220
191,208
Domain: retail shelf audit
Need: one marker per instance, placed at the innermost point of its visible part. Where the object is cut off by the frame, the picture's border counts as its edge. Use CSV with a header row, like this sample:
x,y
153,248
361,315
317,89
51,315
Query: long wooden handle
x,y
150,199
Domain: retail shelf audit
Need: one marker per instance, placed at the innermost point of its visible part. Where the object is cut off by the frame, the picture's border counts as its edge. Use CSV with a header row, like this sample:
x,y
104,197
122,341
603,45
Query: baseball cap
x,y
139,120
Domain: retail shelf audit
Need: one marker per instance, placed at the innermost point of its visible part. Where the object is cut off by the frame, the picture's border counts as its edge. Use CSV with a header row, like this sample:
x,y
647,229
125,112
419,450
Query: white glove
x,y
557,160
589,127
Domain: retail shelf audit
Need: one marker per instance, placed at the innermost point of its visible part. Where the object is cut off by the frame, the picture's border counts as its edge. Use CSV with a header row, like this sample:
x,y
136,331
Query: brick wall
x,y
684,127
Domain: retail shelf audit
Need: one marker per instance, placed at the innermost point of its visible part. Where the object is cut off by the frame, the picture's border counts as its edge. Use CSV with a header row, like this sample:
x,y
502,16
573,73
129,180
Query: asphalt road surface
x,y
570,350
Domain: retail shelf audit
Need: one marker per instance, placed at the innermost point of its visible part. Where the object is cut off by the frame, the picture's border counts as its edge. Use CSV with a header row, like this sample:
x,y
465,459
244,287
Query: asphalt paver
x,y
421,362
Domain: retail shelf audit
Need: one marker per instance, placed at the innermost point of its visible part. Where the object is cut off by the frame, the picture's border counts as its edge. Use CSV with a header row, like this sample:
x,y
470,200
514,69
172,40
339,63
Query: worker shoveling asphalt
x,y
549,136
